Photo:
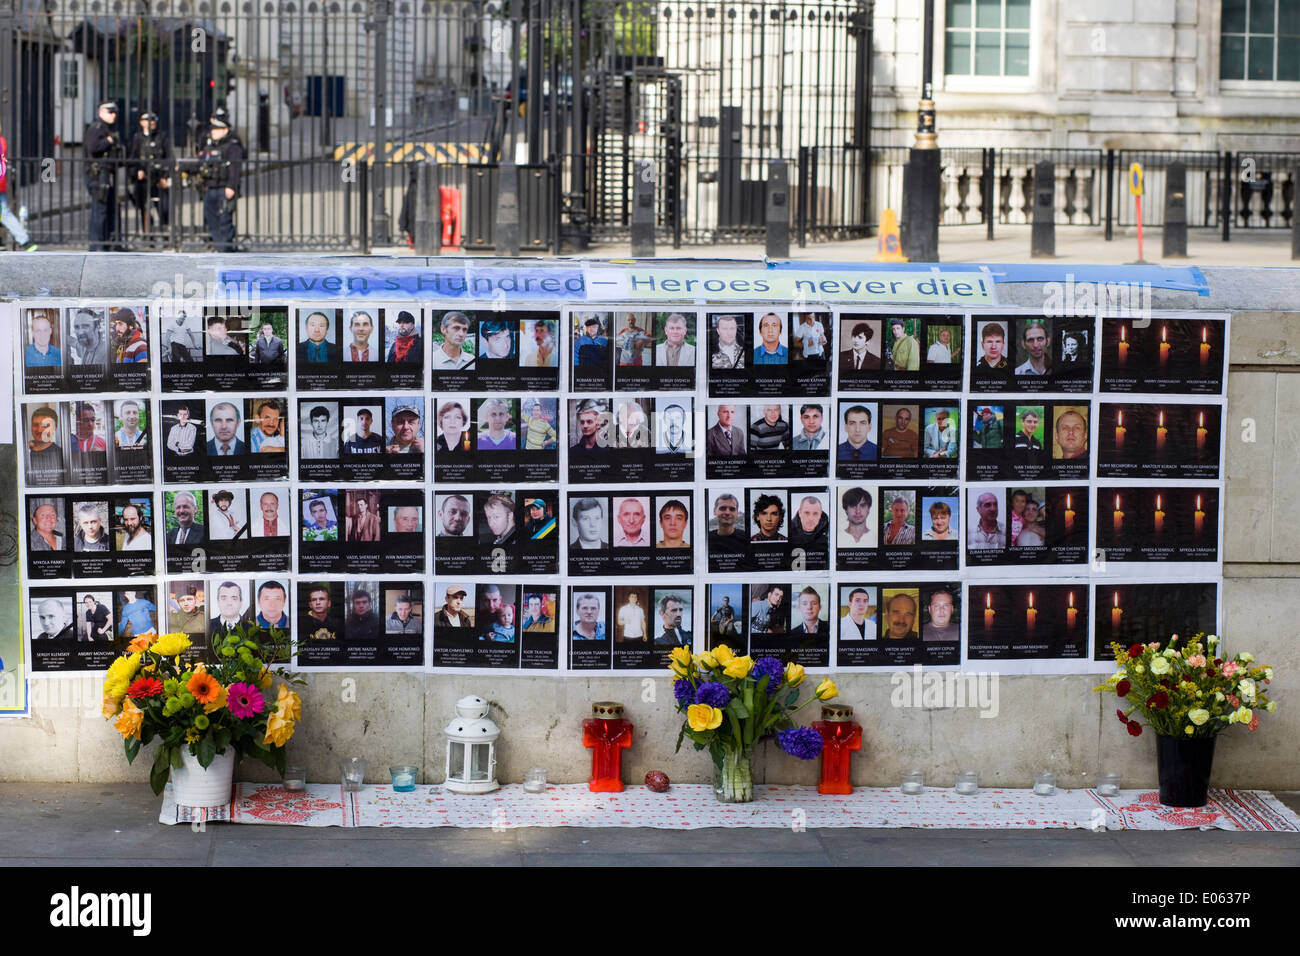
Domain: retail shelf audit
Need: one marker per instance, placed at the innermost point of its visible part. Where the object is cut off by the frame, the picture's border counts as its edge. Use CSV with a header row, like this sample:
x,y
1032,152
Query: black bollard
x,y
1295,220
506,234
428,218
778,209
1042,241
1174,239
922,183
643,210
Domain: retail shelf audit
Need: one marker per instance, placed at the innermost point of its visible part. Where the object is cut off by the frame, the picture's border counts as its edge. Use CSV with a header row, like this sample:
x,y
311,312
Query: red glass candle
x,y
840,737
607,734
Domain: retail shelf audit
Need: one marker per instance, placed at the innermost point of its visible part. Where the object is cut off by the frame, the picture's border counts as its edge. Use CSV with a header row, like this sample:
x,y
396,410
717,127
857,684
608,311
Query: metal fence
x,y
583,89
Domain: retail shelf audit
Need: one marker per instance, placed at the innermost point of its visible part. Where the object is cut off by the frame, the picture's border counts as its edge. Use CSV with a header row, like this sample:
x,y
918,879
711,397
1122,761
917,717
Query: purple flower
x,y
714,694
802,742
768,667
684,691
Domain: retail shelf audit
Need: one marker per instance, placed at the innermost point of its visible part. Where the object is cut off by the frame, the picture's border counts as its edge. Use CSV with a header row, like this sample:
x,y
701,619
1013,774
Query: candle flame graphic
x,y
1123,333
1071,599
1198,502
1162,420
1117,502
1202,423
1164,333
1067,502
1205,334
1157,502
988,599
1119,419
1117,599
1031,598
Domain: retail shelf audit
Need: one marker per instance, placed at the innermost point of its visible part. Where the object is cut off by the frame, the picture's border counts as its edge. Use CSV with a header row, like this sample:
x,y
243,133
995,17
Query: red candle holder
x,y
840,737
607,735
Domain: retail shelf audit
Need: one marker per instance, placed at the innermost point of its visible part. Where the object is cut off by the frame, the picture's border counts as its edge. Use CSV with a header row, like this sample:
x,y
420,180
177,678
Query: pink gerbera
x,y
244,700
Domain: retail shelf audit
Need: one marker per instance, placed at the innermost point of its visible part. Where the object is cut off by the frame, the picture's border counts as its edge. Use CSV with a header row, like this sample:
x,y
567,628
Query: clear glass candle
x,y
353,770
913,782
295,778
1108,784
968,783
1045,784
403,778
535,780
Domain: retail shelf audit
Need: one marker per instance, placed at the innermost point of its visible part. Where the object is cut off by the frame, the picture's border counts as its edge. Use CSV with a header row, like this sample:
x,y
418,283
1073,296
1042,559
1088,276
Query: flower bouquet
x,y
732,703
203,711
1187,697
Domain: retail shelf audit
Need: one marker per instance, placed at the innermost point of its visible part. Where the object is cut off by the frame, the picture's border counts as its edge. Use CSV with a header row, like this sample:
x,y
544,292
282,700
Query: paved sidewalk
x,y
1074,245
116,825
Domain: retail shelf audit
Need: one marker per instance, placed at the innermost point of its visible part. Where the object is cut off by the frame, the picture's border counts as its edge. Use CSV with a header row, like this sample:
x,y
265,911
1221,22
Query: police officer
x,y
149,167
221,160
103,148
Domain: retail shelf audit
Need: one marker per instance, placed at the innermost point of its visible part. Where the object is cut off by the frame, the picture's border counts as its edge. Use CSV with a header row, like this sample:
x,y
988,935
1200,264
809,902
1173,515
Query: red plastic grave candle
x,y
607,734
840,737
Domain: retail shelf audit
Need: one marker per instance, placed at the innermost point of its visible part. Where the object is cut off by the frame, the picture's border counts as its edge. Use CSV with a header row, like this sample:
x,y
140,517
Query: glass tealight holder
x,y
354,773
1108,784
403,778
295,778
1045,784
968,783
913,782
535,780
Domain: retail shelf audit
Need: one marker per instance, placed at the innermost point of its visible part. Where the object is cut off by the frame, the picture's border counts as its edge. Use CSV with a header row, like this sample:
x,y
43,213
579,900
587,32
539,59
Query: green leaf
x,y
792,698
207,750
162,758
132,749
737,709
177,762
158,778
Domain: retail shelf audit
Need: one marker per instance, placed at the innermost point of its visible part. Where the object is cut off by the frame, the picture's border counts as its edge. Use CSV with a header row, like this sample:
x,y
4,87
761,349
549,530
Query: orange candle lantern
x,y
607,735
840,737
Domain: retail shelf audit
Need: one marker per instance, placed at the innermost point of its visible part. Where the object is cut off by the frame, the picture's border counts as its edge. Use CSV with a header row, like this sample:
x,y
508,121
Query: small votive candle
x,y
354,773
1045,784
535,780
913,782
295,778
403,778
1108,784
968,783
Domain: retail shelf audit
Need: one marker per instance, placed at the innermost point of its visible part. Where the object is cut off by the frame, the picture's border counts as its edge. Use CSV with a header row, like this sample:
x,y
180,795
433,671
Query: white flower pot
x,y
192,786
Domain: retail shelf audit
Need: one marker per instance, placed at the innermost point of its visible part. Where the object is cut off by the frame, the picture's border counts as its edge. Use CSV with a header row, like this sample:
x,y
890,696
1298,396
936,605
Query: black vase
x,y
1184,767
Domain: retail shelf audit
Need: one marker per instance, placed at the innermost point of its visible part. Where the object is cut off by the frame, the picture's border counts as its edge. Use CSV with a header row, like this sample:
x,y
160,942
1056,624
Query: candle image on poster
x,y
1170,356
1040,621
1131,613
1160,524
1159,440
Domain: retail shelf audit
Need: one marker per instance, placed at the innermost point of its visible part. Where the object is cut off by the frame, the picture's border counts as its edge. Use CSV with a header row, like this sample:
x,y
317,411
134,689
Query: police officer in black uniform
x,y
149,169
221,161
104,150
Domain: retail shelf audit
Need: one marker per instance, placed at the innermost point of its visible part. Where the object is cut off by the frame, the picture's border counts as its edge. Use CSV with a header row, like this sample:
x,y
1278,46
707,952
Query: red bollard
x,y
840,737
608,735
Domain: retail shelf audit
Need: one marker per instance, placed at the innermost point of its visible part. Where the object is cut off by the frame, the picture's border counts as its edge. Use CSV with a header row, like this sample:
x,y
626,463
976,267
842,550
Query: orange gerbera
x,y
204,687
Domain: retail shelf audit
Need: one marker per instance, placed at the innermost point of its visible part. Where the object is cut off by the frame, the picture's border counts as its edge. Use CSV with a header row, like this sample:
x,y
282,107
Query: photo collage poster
x,y
464,487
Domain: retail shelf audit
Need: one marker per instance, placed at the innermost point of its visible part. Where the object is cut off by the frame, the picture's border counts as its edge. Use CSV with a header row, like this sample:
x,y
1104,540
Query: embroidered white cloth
x,y
693,806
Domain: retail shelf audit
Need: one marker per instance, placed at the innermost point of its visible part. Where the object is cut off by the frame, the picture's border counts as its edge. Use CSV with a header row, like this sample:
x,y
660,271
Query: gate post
x,y
778,209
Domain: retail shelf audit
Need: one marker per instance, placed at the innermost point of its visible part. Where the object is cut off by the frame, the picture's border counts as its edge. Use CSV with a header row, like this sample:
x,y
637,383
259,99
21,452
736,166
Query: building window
x,y
1260,40
988,38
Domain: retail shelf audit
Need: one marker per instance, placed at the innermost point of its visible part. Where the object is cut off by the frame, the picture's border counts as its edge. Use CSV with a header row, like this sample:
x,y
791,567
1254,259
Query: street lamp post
x,y
921,179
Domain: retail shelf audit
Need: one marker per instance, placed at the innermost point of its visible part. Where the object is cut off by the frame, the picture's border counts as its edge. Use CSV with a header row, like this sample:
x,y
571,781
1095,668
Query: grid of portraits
x,y
571,490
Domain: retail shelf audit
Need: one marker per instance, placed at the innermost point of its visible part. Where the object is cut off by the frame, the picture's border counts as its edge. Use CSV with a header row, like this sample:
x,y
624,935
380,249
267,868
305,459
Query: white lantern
x,y
471,748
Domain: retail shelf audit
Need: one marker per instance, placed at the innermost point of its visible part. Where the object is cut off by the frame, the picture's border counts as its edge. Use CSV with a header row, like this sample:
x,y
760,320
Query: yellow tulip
x,y
703,717
794,674
288,704
722,653
826,689
739,666
679,661
278,730
707,659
